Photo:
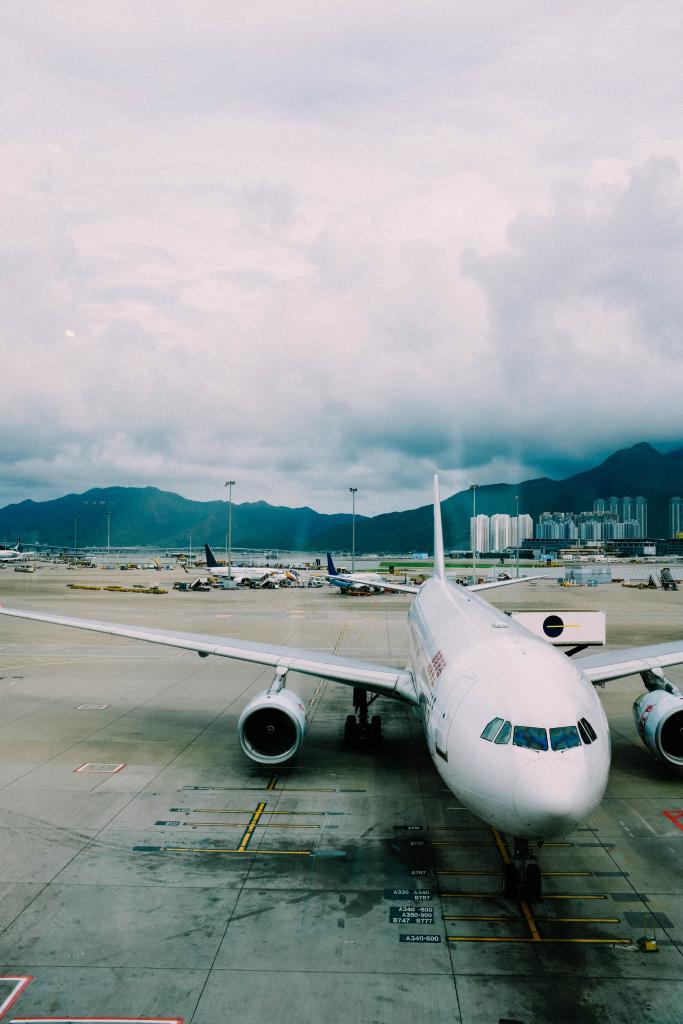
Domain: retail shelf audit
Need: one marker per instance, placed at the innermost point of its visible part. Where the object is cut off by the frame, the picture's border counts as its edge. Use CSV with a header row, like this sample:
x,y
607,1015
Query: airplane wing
x,y
360,583
382,679
629,661
398,588
507,583
410,588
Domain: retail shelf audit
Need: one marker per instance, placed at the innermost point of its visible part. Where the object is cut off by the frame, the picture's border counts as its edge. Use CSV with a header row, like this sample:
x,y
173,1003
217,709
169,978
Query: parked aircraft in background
x,y
513,726
255,574
365,582
369,582
13,554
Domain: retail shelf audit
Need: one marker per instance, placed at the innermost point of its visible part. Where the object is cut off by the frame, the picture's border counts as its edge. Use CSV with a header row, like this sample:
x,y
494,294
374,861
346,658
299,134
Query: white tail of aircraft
x,y
439,560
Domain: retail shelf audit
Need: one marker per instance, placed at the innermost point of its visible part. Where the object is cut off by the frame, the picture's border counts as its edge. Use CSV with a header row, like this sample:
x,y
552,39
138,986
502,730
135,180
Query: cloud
x,y
312,249
583,304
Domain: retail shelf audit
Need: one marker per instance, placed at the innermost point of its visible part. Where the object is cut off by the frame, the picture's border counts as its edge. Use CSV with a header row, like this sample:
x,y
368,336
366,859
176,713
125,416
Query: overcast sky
x,y
312,246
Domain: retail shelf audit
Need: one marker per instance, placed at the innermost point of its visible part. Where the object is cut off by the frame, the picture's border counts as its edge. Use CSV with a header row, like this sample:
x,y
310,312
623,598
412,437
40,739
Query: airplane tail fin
x,y
331,568
211,562
439,561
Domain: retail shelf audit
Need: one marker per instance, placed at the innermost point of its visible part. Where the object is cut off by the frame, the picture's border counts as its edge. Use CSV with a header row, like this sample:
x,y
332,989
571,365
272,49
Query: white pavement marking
x,y
21,983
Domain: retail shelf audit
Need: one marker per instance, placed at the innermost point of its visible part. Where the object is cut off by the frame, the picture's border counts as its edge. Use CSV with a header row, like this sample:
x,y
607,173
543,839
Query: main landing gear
x,y
358,728
522,876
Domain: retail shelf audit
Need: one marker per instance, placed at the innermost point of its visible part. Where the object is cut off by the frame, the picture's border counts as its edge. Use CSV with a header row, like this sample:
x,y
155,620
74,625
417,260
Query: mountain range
x,y
149,516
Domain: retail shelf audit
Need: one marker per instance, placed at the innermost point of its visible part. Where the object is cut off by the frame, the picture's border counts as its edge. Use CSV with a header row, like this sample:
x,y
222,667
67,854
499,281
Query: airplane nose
x,y
552,799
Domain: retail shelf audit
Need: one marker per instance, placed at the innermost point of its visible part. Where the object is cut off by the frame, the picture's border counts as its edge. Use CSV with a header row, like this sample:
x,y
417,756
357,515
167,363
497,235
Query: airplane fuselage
x,y
11,555
239,573
344,583
472,664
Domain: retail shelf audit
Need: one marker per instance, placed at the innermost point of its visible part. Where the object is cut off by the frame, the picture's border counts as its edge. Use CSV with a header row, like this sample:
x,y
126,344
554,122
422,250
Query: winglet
x,y
211,562
331,568
439,561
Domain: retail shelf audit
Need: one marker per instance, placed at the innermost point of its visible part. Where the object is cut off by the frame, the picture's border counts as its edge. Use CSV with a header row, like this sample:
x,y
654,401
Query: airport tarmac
x,y
148,870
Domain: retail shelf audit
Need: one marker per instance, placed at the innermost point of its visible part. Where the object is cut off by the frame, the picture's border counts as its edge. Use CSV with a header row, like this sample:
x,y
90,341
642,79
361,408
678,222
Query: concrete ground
x,y
171,878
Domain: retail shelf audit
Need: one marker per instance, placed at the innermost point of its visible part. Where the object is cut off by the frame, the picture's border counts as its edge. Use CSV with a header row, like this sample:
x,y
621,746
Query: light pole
x,y
108,534
190,558
353,528
228,540
75,529
473,488
517,528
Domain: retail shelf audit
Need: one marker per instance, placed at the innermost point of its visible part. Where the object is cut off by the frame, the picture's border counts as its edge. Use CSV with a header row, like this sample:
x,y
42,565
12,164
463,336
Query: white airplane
x,y
12,554
248,573
513,725
372,582
365,583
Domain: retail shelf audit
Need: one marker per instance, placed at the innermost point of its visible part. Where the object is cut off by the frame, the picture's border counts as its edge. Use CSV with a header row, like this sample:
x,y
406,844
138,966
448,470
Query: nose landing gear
x,y
522,875
358,728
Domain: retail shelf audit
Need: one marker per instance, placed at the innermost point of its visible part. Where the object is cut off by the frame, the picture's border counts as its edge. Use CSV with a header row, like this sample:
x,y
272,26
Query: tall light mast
x,y
228,537
353,528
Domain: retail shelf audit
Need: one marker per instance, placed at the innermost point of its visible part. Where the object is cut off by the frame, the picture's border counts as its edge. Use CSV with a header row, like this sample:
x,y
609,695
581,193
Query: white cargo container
x,y
565,629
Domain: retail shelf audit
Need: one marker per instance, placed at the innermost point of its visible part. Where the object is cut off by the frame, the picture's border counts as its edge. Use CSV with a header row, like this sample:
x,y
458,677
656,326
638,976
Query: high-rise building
x,y
556,526
640,514
675,516
550,529
621,510
522,528
590,530
500,532
479,533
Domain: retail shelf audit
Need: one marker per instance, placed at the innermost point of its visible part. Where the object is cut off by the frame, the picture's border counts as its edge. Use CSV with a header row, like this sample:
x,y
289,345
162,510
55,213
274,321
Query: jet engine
x,y
659,718
272,727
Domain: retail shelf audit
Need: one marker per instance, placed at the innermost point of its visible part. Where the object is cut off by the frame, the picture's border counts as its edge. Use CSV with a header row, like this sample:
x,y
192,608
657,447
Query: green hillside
x,y
149,516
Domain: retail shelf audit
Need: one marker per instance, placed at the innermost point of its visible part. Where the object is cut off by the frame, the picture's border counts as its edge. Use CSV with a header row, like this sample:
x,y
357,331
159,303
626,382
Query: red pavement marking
x,y
21,983
675,817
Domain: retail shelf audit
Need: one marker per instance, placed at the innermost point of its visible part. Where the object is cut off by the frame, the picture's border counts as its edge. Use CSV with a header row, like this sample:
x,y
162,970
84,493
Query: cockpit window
x,y
504,734
492,728
564,737
530,736
535,738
